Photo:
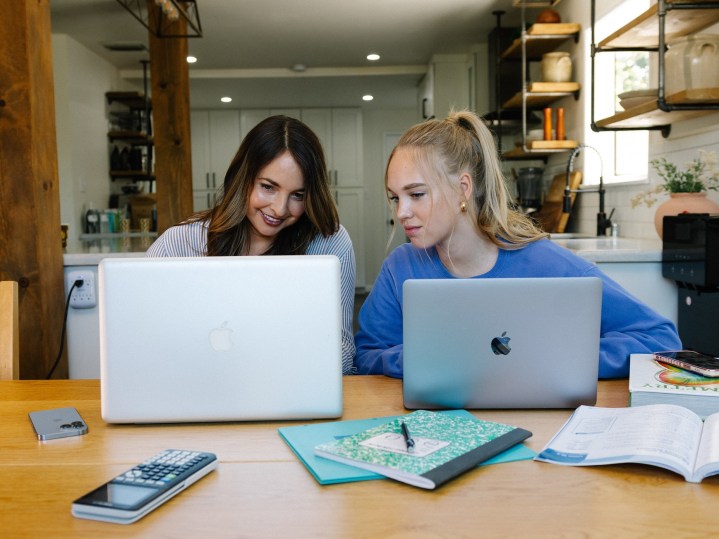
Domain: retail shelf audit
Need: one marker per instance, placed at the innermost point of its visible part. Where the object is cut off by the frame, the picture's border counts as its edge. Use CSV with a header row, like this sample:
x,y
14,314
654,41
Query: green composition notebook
x,y
444,447
302,439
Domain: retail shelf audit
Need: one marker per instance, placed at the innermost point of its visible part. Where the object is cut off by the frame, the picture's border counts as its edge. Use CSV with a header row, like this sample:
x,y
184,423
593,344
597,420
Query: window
x,y
624,153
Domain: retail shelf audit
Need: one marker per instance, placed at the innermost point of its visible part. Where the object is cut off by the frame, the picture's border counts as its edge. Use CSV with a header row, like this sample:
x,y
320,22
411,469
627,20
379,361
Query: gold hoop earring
x,y
463,207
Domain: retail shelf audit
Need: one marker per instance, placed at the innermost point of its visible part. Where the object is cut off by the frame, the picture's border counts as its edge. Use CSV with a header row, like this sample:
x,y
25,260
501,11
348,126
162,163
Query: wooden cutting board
x,y
550,216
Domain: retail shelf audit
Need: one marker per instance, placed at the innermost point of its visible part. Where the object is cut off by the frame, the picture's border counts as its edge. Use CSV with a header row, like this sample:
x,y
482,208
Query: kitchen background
x,y
434,56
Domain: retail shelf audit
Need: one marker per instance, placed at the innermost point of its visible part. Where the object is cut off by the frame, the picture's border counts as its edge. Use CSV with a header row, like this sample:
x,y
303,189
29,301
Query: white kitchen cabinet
x,y
426,94
350,206
445,86
215,139
340,132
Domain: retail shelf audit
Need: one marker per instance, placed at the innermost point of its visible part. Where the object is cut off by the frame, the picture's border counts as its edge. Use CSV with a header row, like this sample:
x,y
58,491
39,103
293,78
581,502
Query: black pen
x,y
408,440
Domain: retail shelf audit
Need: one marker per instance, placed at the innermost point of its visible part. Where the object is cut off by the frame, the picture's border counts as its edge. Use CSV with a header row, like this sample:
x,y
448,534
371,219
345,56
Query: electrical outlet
x,y
83,297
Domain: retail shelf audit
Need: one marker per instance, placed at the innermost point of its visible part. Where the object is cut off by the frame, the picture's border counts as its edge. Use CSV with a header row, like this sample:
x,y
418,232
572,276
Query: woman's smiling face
x,y
276,200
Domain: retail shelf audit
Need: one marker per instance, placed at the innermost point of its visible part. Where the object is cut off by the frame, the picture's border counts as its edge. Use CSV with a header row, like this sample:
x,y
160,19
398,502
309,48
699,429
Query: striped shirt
x,y
190,239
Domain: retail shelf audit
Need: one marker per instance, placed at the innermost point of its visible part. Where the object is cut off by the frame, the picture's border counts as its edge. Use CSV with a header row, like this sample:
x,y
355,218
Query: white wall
x,y
81,80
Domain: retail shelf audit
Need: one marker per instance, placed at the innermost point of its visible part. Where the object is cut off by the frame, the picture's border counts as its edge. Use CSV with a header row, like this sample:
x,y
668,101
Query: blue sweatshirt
x,y
628,326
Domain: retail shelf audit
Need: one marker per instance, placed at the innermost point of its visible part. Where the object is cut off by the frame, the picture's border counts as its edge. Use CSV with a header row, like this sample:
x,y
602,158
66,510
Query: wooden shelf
x,y
131,175
134,137
542,38
540,94
539,149
650,115
643,31
133,100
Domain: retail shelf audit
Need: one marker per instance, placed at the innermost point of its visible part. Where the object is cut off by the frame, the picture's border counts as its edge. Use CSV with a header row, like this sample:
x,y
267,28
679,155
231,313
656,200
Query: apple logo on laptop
x,y
500,345
221,338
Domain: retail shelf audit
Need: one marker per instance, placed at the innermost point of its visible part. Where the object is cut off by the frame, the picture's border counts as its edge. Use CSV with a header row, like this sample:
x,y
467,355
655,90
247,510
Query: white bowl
x,y
628,100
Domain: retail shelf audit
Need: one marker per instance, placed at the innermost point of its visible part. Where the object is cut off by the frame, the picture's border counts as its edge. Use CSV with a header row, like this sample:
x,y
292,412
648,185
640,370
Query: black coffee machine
x,y
690,256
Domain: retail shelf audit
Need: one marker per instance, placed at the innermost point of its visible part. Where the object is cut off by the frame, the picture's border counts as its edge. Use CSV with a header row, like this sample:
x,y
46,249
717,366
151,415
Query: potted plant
x,y
687,188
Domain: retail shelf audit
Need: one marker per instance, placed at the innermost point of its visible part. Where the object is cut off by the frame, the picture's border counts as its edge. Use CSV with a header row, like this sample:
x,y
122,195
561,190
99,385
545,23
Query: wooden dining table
x,y
261,489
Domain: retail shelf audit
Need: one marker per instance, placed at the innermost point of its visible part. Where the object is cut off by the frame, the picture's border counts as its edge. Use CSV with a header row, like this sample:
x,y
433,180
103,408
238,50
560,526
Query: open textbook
x,y
663,435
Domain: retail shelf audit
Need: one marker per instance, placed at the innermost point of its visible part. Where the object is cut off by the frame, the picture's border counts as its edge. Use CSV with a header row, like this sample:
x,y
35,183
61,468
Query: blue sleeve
x,y
629,327
379,339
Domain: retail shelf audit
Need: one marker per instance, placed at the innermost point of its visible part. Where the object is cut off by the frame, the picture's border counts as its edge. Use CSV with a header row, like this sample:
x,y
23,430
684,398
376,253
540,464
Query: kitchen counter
x,y
633,263
607,249
636,264
90,249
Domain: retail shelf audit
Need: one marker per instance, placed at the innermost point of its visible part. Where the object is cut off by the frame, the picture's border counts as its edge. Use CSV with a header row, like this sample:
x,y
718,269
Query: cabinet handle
x,y
207,180
424,108
208,200
213,181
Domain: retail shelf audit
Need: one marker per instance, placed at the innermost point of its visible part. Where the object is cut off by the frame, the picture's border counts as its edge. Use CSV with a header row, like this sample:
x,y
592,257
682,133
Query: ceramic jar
x,y
556,67
683,203
692,63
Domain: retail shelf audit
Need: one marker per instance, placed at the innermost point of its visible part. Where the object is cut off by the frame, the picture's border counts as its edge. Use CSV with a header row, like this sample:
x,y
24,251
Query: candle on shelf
x,y
548,124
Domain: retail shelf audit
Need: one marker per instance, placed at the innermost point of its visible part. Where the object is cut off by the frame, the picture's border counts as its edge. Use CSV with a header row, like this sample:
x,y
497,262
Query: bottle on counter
x,y
92,219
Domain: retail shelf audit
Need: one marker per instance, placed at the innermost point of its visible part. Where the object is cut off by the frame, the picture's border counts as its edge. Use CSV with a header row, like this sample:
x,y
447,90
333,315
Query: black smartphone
x,y
690,360
57,423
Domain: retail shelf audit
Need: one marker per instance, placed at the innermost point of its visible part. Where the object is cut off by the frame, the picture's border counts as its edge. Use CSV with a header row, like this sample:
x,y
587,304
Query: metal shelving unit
x,y
138,135
530,46
663,22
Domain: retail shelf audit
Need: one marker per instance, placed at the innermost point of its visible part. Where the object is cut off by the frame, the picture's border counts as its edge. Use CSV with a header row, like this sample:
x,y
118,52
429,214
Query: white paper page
x,y
657,434
708,454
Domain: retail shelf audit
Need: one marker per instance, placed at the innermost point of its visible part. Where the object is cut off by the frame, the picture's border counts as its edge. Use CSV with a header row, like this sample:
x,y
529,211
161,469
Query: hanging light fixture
x,y
168,12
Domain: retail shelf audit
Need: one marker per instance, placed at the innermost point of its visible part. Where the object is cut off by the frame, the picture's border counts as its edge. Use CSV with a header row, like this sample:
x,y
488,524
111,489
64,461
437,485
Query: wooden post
x,y
30,244
171,123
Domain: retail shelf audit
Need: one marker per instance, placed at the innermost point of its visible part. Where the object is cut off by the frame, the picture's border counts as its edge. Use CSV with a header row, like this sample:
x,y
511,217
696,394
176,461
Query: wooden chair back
x,y
9,331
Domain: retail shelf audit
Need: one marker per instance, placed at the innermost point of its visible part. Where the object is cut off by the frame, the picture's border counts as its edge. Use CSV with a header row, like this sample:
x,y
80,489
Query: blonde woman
x,y
445,182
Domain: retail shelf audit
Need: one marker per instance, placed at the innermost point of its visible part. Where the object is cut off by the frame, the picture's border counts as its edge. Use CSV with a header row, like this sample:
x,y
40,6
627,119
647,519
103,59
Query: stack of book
x,y
651,382
423,449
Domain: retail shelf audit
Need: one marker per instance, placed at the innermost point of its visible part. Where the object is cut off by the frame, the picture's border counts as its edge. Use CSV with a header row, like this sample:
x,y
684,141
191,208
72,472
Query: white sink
x,y
597,243
568,236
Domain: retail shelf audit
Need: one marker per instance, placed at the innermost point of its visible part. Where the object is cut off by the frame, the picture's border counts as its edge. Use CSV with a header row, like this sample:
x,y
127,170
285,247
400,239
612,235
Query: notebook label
x,y
394,443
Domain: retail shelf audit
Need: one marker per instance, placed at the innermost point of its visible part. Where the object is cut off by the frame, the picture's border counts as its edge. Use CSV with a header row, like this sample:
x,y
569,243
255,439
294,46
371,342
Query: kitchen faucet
x,y
603,222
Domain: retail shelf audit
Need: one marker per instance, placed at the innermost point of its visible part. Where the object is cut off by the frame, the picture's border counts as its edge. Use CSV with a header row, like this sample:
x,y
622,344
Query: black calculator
x,y
134,493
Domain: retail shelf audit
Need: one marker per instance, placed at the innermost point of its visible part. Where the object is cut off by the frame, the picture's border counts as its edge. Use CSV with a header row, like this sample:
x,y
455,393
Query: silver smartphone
x,y
57,423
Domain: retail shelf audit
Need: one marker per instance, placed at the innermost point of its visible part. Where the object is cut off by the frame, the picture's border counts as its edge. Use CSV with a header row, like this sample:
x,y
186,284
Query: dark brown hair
x,y
228,229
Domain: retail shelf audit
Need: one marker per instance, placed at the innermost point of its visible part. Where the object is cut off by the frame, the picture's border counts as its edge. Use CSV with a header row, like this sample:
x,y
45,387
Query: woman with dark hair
x,y
276,201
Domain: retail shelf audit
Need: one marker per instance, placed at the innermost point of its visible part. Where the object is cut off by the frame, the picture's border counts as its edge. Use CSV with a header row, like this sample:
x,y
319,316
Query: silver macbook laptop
x,y
501,343
220,338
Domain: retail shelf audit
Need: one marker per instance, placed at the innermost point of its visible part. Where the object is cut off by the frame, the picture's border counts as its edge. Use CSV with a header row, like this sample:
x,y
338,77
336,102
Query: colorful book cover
x,y
443,447
302,439
653,382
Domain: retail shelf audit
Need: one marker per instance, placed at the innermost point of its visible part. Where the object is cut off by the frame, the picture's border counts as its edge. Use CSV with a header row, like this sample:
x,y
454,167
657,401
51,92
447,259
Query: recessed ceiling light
x,y
226,99
367,97
191,59
372,57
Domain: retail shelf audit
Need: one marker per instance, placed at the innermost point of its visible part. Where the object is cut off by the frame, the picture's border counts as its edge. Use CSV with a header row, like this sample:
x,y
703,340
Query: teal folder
x,y
302,439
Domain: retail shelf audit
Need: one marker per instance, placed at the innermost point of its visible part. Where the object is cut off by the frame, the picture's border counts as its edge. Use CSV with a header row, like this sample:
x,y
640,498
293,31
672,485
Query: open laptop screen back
x,y
501,343
220,338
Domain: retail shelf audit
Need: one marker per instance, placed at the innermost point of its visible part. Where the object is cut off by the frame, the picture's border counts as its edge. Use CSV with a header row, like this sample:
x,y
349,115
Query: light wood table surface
x,y
262,490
